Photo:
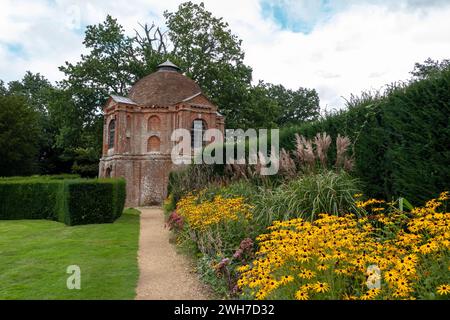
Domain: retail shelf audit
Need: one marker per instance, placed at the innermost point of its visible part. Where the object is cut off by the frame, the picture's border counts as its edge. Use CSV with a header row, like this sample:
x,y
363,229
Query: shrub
x,y
29,199
191,178
169,205
64,176
73,202
94,201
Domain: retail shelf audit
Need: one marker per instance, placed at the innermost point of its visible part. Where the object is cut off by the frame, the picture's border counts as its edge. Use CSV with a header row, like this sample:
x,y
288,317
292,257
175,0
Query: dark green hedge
x,y
33,199
402,139
64,176
94,201
73,202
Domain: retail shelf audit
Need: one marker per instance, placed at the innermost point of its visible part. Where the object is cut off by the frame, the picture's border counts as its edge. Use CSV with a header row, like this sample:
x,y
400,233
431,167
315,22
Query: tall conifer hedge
x,y
401,139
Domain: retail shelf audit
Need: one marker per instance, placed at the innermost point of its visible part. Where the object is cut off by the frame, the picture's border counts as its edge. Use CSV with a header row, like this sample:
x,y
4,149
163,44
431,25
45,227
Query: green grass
x,y
35,254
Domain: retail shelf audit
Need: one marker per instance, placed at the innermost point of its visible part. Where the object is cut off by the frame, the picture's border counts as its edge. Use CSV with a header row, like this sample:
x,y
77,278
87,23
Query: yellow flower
x,y
444,196
200,215
346,245
349,297
301,295
390,276
306,274
443,289
286,279
321,287
322,267
428,248
402,284
371,294
400,294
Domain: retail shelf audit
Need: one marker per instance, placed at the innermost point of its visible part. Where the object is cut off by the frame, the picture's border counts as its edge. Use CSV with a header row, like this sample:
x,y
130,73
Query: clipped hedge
x,y
401,139
74,202
30,199
94,201
64,176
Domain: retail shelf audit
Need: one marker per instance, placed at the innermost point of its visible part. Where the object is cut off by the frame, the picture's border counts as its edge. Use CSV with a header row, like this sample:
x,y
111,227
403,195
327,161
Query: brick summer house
x,y
137,131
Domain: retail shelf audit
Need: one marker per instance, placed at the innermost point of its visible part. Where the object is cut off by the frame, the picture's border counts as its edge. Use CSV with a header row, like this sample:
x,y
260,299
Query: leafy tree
x,y
207,50
74,136
261,110
296,106
429,67
34,88
110,67
3,90
37,91
19,136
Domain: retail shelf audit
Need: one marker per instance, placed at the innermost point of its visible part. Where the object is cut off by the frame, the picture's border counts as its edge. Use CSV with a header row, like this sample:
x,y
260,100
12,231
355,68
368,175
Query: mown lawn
x,y
35,254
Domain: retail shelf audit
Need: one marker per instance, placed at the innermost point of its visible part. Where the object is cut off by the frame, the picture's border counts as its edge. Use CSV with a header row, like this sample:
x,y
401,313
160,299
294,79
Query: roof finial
x,y
168,66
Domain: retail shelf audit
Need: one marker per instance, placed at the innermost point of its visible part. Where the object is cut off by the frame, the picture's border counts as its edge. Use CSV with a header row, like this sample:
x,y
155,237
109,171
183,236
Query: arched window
x,y
128,135
111,133
154,123
108,172
197,133
128,123
153,144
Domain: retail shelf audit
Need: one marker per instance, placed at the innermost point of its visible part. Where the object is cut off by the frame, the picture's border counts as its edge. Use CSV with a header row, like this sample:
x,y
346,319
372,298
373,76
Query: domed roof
x,y
164,87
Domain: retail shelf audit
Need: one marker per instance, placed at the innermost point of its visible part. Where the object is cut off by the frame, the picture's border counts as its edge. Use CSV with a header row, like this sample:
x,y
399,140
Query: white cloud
x,y
362,46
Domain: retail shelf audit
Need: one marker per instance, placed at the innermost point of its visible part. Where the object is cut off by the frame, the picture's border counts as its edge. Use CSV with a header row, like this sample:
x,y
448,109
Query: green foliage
x,y
296,106
169,205
29,199
77,131
430,68
63,176
400,138
94,201
211,54
39,94
189,179
262,110
19,137
306,197
74,202
217,282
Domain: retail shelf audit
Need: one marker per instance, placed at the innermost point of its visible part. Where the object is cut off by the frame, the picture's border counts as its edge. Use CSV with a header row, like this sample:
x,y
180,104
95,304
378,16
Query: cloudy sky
x,y
338,47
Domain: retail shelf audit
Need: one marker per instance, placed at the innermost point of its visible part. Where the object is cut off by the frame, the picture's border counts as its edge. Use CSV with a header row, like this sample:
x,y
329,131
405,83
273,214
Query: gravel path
x,y
164,274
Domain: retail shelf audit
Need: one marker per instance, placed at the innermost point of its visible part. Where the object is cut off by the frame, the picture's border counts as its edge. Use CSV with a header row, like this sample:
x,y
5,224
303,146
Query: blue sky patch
x,y
299,16
15,49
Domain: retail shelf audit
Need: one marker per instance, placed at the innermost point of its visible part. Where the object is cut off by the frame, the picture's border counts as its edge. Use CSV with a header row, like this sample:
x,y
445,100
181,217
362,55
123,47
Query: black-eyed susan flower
x,y
443,289
321,287
322,267
371,294
306,274
390,276
301,295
